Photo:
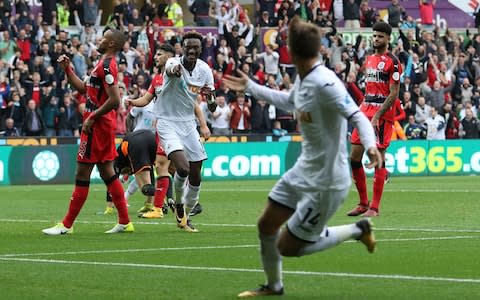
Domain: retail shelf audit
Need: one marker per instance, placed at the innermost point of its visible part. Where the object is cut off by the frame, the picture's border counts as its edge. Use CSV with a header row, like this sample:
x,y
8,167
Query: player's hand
x,y
205,132
375,158
236,83
176,71
206,91
87,124
63,61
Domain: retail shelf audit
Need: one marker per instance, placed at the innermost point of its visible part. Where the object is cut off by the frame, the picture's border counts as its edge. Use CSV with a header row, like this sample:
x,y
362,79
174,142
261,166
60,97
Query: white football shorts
x,y
181,135
313,207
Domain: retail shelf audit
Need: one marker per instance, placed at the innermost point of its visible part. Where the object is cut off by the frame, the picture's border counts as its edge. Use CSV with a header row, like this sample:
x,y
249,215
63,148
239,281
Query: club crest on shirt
x,y
381,65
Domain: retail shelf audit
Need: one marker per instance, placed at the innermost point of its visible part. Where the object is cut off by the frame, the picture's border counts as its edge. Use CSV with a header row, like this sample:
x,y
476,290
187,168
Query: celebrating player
x,y
97,141
186,78
308,194
382,85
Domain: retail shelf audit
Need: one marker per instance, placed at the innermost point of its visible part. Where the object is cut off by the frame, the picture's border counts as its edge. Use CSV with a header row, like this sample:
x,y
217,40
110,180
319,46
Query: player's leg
x,y
179,179
359,177
281,204
131,189
378,185
145,179
162,182
308,233
384,134
115,188
78,198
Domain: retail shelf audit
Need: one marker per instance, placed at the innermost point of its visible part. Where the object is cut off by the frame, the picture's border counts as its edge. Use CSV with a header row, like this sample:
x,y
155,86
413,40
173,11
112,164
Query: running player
x,y
309,194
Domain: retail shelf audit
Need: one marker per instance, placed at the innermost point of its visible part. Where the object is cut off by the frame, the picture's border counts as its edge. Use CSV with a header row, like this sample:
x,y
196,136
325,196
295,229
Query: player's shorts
x,y
383,132
99,145
181,135
313,207
140,150
160,150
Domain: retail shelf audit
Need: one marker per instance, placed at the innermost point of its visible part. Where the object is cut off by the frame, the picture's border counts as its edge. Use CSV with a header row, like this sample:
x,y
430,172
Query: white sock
x,y
191,195
179,186
131,189
271,260
334,236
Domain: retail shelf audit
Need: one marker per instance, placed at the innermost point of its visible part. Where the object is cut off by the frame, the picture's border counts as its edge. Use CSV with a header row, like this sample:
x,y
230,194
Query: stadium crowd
x,y
439,92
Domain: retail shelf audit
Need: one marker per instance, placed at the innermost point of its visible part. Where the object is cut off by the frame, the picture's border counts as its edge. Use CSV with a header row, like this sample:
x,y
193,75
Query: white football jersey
x,y
145,117
179,94
322,106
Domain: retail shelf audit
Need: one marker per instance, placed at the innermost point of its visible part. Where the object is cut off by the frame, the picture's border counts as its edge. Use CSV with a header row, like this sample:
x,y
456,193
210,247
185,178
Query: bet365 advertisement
x,y
250,160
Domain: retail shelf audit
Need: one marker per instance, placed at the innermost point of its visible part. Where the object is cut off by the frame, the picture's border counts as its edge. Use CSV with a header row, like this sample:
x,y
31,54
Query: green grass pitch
x,y
428,247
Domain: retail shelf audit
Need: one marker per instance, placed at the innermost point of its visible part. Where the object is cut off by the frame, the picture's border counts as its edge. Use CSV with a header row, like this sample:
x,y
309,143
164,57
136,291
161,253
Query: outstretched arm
x,y
278,98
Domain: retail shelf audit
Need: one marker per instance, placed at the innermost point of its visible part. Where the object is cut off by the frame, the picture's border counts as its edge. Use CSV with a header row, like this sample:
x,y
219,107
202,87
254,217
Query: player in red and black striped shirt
x,y
97,140
383,71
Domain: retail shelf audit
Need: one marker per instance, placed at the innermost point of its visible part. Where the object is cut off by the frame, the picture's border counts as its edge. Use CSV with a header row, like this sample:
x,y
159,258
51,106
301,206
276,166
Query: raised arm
x,y
73,79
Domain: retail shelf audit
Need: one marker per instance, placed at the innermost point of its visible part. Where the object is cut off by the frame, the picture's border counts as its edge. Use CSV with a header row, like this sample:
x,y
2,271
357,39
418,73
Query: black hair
x,y
382,27
193,35
167,48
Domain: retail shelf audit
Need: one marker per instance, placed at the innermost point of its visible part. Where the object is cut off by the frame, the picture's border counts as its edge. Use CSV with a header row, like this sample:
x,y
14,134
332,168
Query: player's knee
x,y
148,190
265,226
183,171
287,251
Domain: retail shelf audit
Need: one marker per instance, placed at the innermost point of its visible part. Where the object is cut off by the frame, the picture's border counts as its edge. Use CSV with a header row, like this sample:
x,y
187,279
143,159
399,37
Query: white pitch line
x,y
109,251
266,190
242,225
331,274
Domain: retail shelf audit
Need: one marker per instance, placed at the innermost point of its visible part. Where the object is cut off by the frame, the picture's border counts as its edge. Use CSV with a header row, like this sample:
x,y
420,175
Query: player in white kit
x,y
308,194
185,77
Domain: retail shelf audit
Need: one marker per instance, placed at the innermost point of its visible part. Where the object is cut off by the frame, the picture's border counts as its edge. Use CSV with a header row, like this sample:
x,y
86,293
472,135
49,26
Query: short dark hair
x,y
192,35
303,38
382,27
167,48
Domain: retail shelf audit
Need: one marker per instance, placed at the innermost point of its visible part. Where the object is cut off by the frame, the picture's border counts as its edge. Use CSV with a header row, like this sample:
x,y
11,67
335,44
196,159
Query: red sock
x,y
160,191
360,180
378,183
77,200
116,190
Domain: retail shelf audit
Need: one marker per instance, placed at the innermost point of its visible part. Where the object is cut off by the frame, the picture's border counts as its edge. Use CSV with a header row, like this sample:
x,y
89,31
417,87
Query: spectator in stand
x,y
466,91
396,13
63,14
50,112
452,126
351,13
233,38
435,125
221,117
422,111
470,126
24,45
16,110
266,20
270,59
200,10
10,129
286,11
412,130
33,124
408,105
435,96
7,47
304,11
90,11
67,118
268,6
222,17
174,12
240,115
367,14
426,8
262,117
